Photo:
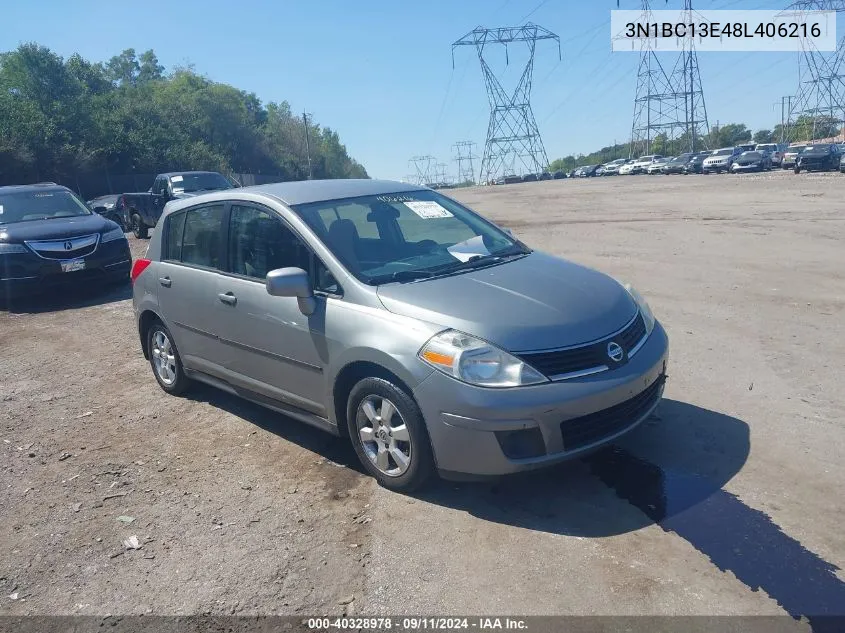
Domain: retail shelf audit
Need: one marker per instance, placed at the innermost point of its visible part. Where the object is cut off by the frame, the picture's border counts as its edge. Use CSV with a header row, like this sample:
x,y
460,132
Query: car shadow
x,y
675,460
670,472
335,449
67,298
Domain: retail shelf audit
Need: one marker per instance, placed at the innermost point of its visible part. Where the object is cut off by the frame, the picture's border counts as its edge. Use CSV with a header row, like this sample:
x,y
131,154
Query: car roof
x,y
182,173
306,191
40,186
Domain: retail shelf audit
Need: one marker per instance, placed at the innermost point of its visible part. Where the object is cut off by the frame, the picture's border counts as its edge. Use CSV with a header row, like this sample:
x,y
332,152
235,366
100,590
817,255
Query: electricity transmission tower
x,y
464,157
669,104
440,176
422,169
820,100
513,140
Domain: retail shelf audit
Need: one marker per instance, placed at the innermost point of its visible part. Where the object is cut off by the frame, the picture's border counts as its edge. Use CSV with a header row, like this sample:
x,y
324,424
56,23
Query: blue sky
x,y
380,73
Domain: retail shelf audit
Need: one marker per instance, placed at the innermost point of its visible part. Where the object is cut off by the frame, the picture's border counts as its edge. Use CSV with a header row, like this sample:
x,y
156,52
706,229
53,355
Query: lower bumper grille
x,y
592,428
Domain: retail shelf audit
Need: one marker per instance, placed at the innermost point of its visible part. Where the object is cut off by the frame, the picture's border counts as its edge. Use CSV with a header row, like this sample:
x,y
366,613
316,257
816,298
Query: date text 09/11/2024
x,y
415,624
717,30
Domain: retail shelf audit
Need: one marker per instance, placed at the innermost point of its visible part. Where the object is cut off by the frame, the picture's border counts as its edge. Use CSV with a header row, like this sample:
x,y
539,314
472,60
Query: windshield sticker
x,y
1,209
473,247
176,179
428,210
394,198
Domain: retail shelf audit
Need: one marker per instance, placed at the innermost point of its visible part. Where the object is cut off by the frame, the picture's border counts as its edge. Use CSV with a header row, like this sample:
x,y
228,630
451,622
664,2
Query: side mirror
x,y
292,282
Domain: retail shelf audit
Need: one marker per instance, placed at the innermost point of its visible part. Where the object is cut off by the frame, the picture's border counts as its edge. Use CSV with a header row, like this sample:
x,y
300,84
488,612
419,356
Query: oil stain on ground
x,y
735,537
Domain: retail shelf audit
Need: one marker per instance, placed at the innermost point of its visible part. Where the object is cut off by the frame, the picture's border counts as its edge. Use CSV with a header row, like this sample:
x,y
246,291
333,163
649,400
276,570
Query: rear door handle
x,y
165,281
228,298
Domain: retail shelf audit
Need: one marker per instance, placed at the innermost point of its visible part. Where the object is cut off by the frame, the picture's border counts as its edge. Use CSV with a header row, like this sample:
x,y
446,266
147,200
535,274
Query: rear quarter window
x,y
174,229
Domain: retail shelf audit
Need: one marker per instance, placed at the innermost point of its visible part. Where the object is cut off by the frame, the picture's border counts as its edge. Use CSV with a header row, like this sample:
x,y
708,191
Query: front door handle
x,y
228,298
165,281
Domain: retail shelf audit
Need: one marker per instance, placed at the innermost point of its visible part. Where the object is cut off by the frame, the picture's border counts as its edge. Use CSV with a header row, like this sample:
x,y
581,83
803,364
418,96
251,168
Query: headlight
x,y
9,249
645,310
477,362
114,234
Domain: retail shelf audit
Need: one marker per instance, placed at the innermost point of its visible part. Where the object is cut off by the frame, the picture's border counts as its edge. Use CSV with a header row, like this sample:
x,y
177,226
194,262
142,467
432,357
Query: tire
x,y
797,170
171,379
139,229
364,418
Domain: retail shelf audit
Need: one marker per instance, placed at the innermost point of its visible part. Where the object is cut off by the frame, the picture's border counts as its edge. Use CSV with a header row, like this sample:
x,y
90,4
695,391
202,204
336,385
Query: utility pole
x,y
307,145
464,157
512,134
821,76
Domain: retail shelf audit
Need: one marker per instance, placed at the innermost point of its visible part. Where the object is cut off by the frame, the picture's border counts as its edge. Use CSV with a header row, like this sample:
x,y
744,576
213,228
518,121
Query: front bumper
x,y
27,273
714,167
755,167
463,420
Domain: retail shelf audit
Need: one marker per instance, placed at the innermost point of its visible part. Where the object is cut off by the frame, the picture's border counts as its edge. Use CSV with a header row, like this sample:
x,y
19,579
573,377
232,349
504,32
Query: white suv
x,y
644,162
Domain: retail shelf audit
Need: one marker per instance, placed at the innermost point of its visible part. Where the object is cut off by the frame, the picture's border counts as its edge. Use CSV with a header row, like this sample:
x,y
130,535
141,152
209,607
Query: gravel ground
x,y
728,501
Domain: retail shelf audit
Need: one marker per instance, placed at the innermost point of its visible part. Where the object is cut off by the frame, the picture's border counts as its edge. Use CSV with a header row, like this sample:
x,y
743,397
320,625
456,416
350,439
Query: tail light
x,y
138,267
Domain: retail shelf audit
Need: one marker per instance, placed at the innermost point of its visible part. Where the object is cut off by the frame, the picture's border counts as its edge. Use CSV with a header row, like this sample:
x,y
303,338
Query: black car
x,y
530,178
693,165
823,157
559,174
108,207
677,164
49,237
587,171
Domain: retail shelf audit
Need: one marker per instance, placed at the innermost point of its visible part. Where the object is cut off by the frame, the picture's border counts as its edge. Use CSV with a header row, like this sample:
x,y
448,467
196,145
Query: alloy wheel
x,y
384,436
164,360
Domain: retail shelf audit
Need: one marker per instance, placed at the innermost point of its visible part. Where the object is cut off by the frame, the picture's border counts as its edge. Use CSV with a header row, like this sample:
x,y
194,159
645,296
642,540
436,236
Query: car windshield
x,y
751,155
23,206
817,148
187,183
406,236
767,148
723,152
795,150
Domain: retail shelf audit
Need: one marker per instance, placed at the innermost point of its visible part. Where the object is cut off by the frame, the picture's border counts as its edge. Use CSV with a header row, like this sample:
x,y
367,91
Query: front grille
x,y
69,248
560,363
592,428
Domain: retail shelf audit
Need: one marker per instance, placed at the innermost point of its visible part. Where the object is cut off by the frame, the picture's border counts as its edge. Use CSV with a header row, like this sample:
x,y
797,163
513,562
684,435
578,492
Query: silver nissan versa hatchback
x,y
390,314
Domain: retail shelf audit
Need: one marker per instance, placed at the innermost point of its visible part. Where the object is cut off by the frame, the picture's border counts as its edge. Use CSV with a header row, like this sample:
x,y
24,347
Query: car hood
x,y
532,303
56,228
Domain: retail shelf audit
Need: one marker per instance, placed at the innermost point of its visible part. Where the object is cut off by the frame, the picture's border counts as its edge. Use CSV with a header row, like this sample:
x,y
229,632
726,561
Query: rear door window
x,y
173,231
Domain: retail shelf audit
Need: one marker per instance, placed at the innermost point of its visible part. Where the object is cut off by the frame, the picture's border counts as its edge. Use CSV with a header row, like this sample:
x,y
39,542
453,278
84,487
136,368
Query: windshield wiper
x,y
403,275
479,261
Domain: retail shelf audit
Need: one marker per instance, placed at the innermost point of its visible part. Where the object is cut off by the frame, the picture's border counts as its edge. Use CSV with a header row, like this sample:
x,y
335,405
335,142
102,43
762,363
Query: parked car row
x,y
738,159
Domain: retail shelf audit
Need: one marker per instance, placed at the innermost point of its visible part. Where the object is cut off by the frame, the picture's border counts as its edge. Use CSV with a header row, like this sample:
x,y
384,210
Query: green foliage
x,y
59,118
729,135
764,136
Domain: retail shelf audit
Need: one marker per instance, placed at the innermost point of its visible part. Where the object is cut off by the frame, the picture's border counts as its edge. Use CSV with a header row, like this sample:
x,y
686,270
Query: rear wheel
x,y
797,169
389,435
165,361
139,229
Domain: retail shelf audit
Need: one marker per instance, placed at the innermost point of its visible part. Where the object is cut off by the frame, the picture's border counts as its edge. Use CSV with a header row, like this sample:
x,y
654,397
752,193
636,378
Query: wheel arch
x,y
348,377
147,318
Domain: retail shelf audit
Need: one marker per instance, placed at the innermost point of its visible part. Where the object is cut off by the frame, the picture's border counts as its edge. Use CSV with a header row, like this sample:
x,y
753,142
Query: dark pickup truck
x,y
141,211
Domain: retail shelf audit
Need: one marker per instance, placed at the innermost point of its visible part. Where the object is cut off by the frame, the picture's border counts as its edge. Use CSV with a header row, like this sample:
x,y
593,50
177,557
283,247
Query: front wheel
x,y
797,170
389,435
139,229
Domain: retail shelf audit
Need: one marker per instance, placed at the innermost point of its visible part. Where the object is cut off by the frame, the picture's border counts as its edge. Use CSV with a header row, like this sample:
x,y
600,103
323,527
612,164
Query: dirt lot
x,y
728,501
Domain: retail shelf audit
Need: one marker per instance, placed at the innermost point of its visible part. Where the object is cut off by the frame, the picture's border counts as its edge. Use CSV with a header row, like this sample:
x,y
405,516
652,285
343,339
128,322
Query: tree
x,y
729,135
123,69
61,120
764,136
149,69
